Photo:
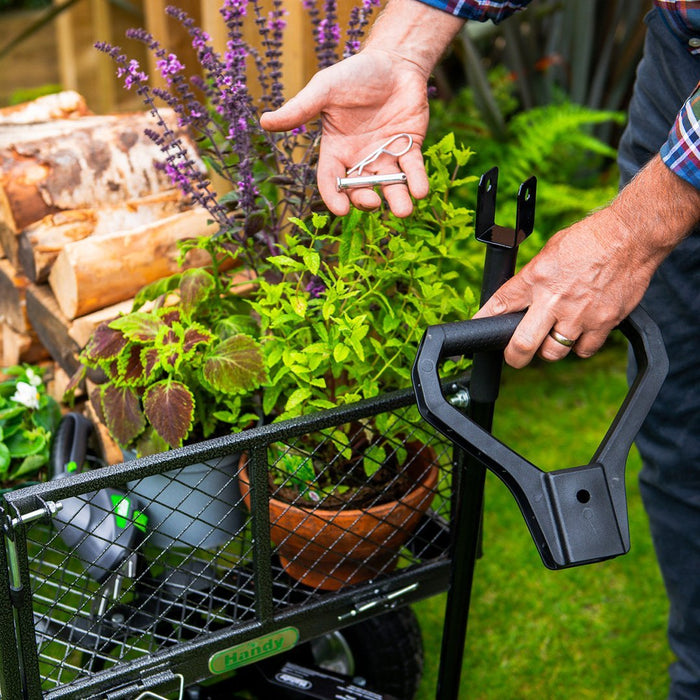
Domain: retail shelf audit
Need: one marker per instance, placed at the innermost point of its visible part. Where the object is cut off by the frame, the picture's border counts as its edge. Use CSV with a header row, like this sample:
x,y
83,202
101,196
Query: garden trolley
x,y
151,579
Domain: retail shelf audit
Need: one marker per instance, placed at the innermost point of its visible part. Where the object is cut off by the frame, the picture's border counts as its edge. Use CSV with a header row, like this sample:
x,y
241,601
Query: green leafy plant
x,y
344,310
187,364
165,366
581,52
28,418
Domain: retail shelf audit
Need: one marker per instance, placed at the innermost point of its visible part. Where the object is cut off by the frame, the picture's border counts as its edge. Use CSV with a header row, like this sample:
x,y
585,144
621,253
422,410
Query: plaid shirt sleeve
x,y
681,152
479,10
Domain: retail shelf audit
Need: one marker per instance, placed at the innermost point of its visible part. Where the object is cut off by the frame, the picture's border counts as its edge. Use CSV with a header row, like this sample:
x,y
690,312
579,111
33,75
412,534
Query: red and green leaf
x,y
131,367
106,343
169,345
169,407
169,316
196,334
122,412
150,361
138,326
235,365
196,286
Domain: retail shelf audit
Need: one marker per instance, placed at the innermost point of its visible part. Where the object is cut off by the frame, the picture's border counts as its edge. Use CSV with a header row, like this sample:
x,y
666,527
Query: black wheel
x,y
386,651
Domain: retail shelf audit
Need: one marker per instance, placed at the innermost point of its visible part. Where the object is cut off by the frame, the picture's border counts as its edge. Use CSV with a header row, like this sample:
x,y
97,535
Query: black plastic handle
x,y
576,515
98,526
69,445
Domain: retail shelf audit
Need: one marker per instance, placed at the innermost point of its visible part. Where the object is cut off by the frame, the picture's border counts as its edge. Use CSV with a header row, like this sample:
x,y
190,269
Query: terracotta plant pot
x,y
329,549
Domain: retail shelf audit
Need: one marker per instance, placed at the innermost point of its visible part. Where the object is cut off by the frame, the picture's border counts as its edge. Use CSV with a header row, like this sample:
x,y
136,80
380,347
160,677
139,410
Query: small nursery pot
x,y
328,549
193,506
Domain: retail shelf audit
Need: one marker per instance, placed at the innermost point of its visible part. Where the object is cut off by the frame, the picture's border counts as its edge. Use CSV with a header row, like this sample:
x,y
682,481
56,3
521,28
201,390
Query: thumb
x,y
514,295
303,107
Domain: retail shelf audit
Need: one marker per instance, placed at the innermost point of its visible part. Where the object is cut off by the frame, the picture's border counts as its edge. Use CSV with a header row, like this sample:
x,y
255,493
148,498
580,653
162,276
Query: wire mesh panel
x,y
141,559
175,579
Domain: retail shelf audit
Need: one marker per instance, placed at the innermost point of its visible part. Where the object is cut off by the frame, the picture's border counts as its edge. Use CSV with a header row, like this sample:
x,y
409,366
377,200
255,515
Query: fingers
x,y
550,329
397,196
533,336
368,198
330,168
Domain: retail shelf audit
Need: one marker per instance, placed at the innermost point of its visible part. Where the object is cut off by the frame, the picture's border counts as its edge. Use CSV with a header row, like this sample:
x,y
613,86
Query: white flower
x,y
26,394
32,377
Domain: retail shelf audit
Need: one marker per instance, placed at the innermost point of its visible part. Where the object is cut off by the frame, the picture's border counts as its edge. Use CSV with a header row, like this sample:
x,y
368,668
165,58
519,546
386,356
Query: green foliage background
x,y
575,170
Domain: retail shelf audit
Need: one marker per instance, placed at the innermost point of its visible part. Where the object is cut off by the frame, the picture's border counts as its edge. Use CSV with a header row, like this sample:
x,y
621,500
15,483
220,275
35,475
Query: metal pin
x,y
50,509
345,183
383,150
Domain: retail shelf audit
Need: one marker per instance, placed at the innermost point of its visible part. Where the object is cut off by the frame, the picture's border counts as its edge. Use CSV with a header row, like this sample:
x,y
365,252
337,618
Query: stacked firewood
x,y
86,219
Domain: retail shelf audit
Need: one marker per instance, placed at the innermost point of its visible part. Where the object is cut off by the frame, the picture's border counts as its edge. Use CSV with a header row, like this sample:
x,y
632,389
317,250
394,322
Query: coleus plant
x,y
181,368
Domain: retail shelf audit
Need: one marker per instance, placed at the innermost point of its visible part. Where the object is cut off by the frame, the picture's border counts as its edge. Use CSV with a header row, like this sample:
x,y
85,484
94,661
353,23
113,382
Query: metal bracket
x,y
145,686
380,598
487,231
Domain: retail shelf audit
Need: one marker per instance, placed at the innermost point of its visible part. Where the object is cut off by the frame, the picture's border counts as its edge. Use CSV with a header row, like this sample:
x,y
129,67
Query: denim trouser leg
x,y
669,441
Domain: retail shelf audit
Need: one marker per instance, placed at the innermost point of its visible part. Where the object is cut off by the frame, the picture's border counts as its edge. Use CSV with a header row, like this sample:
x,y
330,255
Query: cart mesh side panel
x,y
217,557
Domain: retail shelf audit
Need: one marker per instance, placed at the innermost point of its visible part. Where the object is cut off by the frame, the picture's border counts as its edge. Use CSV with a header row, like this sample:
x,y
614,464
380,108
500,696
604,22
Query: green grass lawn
x,y
596,631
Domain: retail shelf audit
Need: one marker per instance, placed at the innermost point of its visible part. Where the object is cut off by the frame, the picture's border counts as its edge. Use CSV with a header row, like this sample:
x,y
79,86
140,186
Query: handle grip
x,y
69,446
99,526
578,514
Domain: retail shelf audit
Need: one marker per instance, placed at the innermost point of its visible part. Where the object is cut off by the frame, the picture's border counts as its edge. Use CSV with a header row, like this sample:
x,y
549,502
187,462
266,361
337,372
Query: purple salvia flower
x,y
273,52
327,32
327,35
132,74
234,9
359,19
169,66
217,109
316,288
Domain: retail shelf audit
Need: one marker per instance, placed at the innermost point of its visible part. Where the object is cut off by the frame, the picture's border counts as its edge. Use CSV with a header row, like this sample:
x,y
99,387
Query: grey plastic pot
x,y
192,507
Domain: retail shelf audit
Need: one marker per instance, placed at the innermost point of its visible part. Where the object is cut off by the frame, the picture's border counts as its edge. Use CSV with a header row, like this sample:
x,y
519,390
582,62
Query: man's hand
x,y
363,101
366,99
591,275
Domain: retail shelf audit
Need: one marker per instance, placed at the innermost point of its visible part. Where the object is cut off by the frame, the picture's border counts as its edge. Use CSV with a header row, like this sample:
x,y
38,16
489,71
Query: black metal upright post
x,y
499,265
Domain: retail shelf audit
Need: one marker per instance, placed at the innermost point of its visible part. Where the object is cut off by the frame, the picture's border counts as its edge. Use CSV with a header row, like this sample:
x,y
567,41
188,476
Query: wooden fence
x,y
63,52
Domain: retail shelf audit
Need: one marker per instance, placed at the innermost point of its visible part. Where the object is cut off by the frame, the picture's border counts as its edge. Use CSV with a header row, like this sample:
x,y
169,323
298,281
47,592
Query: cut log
x,y
21,347
52,327
73,164
99,271
61,105
13,305
40,243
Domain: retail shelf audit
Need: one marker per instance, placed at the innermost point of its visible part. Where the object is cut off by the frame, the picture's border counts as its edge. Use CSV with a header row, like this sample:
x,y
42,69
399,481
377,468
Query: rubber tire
x,y
388,652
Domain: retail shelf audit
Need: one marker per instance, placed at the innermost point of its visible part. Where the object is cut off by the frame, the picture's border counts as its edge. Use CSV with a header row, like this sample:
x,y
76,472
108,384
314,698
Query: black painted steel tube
x,y
499,266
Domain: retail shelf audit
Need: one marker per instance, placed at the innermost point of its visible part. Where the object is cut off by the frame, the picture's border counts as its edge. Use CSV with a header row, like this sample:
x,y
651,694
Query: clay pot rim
x,y
426,484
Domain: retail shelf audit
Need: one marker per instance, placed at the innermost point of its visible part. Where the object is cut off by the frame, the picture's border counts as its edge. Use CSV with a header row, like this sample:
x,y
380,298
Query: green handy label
x,y
253,650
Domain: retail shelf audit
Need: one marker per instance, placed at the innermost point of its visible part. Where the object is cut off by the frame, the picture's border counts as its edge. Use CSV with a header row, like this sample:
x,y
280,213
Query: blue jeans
x,y
669,441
